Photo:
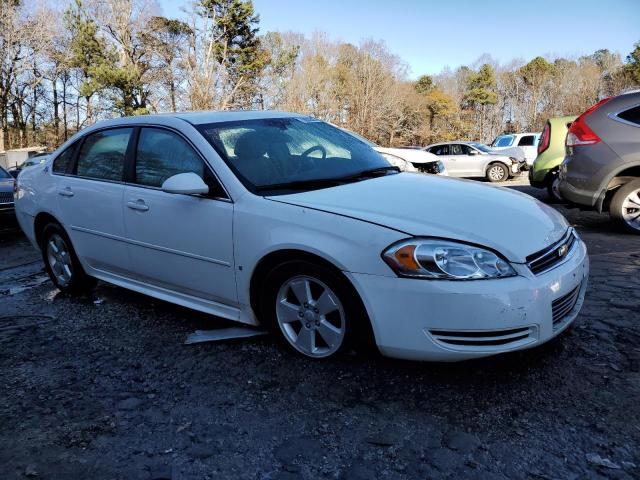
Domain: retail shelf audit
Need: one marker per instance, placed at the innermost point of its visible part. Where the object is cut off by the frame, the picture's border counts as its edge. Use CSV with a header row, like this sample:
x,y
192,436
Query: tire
x,y
497,172
313,310
553,182
625,206
61,262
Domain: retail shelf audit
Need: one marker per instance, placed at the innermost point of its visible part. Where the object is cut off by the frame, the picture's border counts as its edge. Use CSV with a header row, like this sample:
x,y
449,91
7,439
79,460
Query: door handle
x,y
138,205
66,192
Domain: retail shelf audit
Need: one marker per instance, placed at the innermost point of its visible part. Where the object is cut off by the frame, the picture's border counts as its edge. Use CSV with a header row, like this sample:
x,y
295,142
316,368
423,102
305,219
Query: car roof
x,y
465,142
200,118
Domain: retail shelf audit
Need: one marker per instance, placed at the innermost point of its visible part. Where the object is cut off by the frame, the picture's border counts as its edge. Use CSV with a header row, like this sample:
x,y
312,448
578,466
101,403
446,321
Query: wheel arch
x,y
272,259
623,175
41,220
494,162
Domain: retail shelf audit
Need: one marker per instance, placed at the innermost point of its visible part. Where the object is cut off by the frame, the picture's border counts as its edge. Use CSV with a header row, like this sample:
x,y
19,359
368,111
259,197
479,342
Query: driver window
x,y
455,149
466,149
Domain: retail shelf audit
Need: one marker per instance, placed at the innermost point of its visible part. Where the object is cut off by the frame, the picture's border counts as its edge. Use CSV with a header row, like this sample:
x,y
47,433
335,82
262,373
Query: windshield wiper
x,y
371,173
327,182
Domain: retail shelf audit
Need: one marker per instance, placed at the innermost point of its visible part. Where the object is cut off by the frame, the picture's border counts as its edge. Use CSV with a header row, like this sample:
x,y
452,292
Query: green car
x,y
551,152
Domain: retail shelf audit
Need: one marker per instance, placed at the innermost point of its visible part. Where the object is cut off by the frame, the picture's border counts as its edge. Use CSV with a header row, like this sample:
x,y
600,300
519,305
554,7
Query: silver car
x,y
474,160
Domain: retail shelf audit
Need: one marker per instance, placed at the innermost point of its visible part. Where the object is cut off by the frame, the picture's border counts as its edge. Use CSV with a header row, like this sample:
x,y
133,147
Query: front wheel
x,y
61,261
497,172
310,308
625,206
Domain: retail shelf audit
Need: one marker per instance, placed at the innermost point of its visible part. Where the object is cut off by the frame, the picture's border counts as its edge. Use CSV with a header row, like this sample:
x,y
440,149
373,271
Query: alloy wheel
x,y
59,259
496,173
310,316
631,209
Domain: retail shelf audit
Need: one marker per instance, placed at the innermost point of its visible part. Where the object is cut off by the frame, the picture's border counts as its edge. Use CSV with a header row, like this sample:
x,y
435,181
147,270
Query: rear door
x,y
528,144
90,192
183,243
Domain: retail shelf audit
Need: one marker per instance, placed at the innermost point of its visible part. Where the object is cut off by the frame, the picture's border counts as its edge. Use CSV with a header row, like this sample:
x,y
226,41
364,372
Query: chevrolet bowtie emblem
x,y
562,251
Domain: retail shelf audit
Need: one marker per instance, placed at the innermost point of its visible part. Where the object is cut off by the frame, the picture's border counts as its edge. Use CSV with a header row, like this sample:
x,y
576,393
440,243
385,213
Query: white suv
x,y
527,143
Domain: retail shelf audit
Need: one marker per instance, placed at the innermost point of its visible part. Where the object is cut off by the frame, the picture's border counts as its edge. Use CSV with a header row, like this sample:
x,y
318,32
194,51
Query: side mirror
x,y
185,183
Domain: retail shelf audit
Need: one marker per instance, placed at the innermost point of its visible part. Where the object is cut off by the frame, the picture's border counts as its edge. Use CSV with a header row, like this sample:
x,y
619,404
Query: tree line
x,y
63,67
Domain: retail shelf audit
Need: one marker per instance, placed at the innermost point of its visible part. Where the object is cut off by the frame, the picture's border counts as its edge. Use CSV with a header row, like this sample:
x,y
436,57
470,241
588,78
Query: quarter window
x,y
632,115
102,154
62,161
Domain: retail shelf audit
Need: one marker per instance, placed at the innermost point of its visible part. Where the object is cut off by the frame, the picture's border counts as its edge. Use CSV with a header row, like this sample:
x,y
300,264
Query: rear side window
x,y
62,161
163,154
527,141
102,154
440,150
632,115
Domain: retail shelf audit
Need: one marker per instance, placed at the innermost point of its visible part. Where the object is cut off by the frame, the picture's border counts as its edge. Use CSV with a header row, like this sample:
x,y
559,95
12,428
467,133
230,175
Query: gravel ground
x,y
102,387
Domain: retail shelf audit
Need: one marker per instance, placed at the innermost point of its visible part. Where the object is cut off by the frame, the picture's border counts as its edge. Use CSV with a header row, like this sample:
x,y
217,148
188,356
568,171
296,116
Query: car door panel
x,y
179,242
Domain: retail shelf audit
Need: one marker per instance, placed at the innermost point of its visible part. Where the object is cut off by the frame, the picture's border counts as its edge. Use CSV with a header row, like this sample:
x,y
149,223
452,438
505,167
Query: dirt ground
x,y
102,387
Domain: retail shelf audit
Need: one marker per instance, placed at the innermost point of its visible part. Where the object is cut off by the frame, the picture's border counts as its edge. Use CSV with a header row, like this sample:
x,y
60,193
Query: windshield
x,y
4,174
482,147
503,141
280,151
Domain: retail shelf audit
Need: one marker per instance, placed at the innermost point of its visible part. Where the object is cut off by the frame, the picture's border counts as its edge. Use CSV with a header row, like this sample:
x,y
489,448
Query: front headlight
x,y
440,166
445,260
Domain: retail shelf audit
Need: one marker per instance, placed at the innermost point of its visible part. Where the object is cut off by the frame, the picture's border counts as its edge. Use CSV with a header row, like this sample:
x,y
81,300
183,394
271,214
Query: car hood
x,y
410,154
505,220
6,184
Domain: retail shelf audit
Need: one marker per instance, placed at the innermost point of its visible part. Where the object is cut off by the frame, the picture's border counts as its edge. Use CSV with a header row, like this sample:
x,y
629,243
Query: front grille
x,y
552,256
6,197
483,339
563,306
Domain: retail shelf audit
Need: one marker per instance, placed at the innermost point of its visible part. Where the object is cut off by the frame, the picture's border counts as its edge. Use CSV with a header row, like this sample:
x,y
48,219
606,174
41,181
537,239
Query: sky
x,y
430,35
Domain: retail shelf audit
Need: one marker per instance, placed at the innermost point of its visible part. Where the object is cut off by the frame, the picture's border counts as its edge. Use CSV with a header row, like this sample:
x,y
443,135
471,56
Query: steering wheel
x,y
313,149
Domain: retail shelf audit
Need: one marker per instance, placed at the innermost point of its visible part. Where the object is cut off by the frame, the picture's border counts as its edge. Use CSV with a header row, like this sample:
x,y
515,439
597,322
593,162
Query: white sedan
x,y
282,220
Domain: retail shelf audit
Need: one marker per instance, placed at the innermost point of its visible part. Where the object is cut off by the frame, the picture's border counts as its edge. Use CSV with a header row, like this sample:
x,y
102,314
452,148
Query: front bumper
x,y
451,321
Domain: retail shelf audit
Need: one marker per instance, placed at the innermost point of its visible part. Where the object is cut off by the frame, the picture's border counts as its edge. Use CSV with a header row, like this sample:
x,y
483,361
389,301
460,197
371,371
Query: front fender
x,y
262,227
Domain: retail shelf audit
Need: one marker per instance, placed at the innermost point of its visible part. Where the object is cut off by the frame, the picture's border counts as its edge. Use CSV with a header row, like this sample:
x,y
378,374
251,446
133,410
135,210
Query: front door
x,y
182,243
450,161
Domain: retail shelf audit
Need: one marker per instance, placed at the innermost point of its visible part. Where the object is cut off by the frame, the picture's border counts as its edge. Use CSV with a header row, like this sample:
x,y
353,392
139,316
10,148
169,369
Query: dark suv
x,y
602,166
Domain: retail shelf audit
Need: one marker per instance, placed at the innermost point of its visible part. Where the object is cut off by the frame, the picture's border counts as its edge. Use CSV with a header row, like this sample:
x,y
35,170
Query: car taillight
x,y
580,133
545,138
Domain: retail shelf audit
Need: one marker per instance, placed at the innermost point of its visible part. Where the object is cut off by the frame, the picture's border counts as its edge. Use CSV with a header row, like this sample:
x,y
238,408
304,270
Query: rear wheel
x,y
497,172
625,206
61,261
311,309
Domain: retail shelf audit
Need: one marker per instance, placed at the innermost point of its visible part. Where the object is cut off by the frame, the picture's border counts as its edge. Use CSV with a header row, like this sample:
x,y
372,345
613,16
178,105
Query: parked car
x,y
514,142
602,166
408,159
279,219
473,159
551,152
36,159
6,192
